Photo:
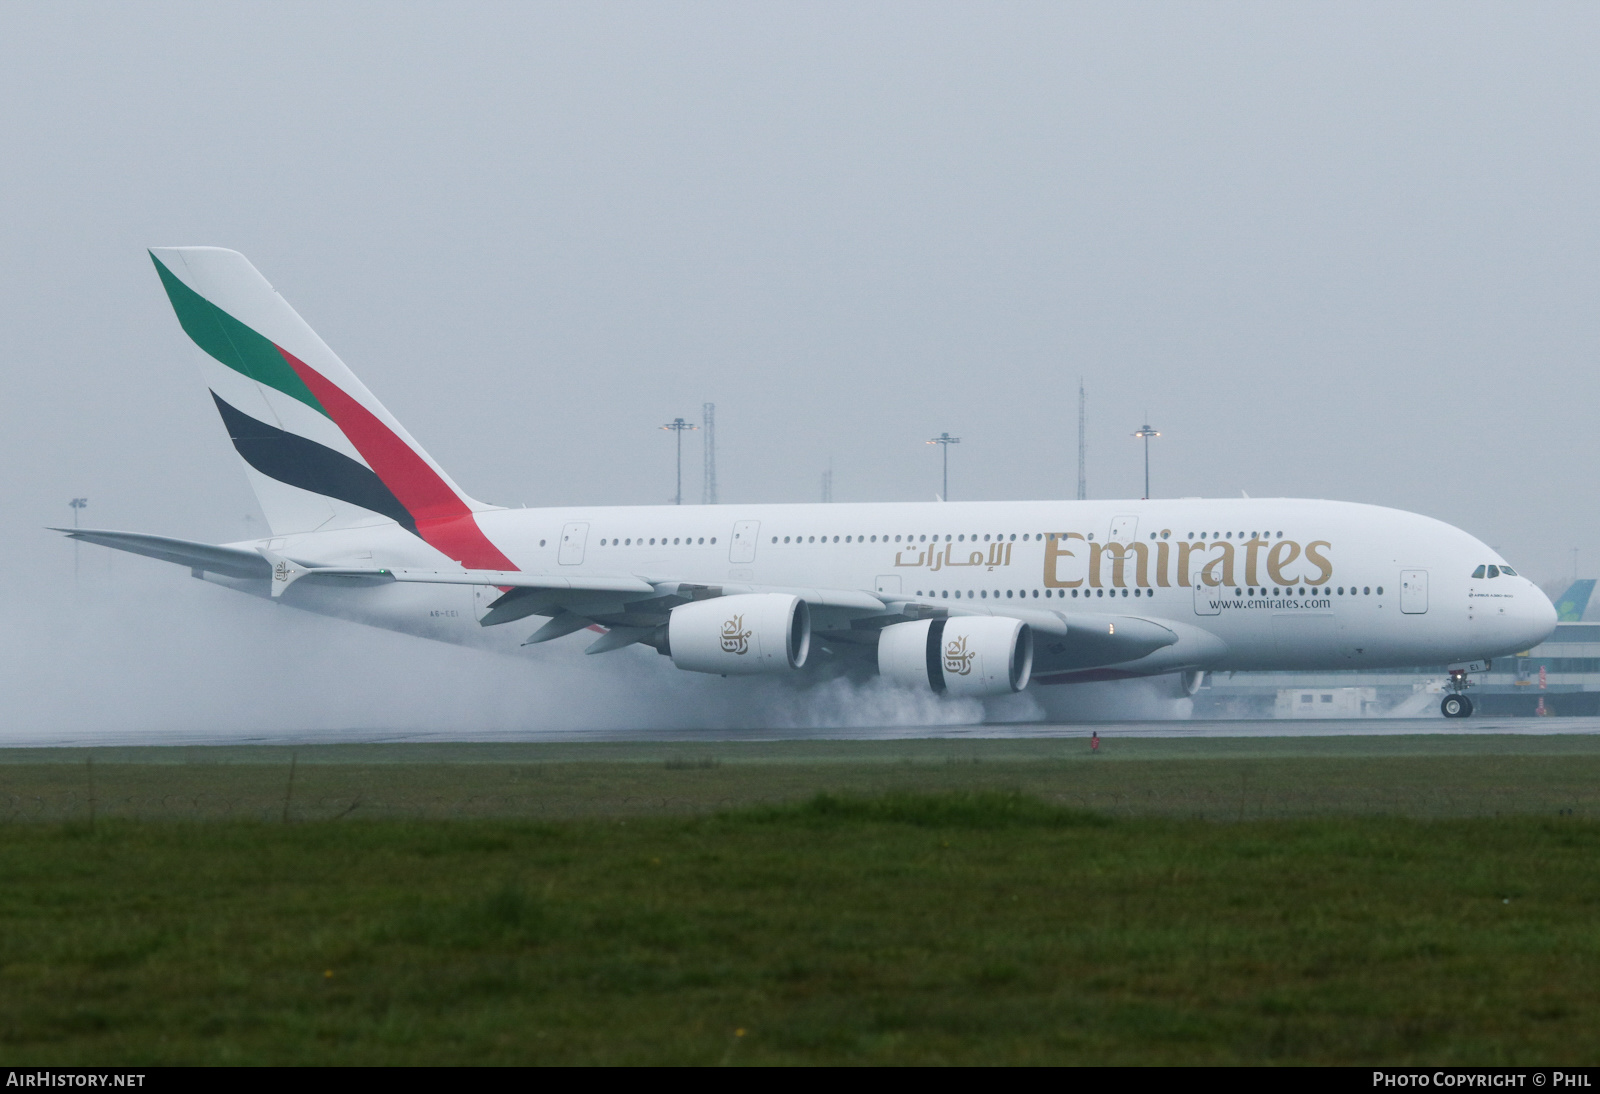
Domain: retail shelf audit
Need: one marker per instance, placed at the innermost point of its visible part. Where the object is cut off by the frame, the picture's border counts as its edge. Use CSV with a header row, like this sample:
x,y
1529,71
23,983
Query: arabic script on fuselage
x,y
945,556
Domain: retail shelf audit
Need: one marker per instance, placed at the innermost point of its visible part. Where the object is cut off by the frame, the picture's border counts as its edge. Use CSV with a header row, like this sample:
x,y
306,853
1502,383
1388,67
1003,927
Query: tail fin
x,y
320,451
1571,604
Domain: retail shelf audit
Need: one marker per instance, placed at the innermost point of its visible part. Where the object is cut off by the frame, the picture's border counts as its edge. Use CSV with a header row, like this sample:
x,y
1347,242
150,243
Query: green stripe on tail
x,y
231,342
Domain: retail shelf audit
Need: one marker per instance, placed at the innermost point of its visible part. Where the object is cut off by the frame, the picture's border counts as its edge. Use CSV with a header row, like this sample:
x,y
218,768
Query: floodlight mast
x,y
1146,432
679,427
944,441
77,504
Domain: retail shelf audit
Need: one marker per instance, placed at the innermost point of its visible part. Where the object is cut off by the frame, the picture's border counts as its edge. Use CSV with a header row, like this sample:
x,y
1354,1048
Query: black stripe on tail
x,y
310,466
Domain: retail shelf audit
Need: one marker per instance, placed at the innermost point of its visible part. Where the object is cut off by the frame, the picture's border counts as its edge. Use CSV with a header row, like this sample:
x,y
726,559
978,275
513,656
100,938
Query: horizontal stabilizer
x,y
505,579
227,561
515,579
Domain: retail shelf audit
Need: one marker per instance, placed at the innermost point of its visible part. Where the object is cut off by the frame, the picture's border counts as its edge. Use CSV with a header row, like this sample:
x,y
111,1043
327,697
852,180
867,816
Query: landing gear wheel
x,y
1456,706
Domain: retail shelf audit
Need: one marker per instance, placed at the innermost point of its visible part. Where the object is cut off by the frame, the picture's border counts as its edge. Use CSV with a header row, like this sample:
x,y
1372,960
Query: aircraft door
x,y
1206,597
742,548
1124,529
1414,591
573,538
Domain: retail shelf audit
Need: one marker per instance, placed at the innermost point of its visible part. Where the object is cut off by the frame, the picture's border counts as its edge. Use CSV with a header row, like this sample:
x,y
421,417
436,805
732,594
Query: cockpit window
x,y
1508,571
1494,571
1478,572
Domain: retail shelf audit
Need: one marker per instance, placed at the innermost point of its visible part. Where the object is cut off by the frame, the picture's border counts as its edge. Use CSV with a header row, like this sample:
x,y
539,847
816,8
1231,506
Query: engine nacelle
x,y
965,655
740,635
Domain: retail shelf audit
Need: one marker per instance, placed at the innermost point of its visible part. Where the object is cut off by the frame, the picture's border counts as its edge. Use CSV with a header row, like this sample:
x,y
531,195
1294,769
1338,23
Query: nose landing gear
x,y
1456,704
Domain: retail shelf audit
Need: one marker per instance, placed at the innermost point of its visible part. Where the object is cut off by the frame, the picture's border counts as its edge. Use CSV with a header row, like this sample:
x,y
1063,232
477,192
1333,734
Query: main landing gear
x,y
1456,704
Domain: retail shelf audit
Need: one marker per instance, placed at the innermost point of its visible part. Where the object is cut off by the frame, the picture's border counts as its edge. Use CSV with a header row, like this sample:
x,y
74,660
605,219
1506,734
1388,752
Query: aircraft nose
x,y
1535,618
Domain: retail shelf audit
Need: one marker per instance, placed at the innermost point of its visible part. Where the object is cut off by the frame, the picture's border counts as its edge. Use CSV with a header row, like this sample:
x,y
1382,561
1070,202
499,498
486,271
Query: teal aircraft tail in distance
x,y
1570,605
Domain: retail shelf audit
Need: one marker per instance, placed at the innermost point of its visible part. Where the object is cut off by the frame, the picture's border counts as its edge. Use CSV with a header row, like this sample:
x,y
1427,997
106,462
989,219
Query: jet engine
x,y
972,655
740,635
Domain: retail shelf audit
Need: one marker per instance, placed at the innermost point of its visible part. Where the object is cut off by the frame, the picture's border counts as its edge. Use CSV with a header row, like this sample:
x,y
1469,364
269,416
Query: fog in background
x,y
1342,251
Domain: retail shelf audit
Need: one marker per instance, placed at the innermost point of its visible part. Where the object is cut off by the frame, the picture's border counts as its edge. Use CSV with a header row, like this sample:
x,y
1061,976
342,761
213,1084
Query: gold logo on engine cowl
x,y
735,639
957,658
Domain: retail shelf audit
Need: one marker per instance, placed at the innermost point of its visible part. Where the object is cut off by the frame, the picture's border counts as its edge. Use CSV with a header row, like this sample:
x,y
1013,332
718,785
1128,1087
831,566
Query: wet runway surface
x,y
1018,731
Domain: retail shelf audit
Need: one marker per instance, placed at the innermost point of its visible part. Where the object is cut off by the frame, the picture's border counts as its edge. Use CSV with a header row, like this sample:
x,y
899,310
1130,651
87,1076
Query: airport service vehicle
x,y
955,598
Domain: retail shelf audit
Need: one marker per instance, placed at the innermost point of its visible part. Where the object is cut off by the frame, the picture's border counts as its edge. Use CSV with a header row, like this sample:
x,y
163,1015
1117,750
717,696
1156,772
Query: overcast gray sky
x,y
1340,250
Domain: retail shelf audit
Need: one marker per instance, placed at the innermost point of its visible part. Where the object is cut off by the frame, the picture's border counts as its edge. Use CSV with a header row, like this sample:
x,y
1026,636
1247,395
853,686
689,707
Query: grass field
x,y
1342,900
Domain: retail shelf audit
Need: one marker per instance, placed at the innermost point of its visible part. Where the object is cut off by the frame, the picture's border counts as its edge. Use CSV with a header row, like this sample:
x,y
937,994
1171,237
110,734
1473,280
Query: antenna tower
x,y
827,481
708,484
1083,482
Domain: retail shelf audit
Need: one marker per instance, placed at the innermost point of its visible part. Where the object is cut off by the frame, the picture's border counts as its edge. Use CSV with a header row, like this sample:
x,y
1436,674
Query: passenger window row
x,y
983,594
1004,537
1021,594
951,538
1229,535
973,537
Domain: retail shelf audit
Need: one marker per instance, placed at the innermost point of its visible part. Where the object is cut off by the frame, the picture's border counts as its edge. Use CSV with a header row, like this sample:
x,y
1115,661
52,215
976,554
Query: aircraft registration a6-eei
x,y
955,598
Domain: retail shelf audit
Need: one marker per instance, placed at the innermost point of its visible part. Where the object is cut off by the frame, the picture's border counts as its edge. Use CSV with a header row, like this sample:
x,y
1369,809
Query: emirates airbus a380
x,y
956,598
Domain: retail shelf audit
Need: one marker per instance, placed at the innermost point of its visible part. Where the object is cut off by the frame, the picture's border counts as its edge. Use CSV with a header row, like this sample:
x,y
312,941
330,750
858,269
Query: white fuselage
x,y
1247,584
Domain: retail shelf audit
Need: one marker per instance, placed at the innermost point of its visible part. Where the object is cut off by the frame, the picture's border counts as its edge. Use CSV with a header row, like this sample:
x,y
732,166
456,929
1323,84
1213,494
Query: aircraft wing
x,y
633,616
632,606
503,579
516,581
241,562
208,557
625,600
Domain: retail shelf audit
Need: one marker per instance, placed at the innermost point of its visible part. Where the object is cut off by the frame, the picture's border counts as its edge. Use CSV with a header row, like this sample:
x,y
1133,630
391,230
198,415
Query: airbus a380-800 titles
x,y
955,598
